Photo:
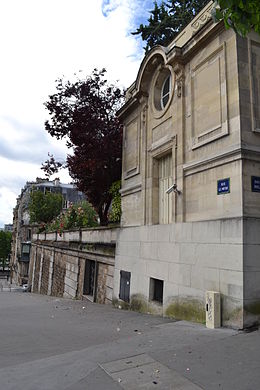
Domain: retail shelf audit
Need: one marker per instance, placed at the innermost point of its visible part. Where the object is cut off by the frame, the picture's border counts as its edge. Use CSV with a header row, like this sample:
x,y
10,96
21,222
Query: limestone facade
x,y
191,176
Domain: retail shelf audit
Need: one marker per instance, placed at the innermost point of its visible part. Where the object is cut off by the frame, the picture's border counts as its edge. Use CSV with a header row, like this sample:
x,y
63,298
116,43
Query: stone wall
x,y
190,259
57,263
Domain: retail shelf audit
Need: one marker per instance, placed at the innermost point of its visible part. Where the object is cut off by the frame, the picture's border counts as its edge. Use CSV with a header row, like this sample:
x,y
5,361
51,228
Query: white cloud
x,y
41,41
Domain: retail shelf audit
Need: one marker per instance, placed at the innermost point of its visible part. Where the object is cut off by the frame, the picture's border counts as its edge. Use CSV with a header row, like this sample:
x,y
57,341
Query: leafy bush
x,y
115,213
78,215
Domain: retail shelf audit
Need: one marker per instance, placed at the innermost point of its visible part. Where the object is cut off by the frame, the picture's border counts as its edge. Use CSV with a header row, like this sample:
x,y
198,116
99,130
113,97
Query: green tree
x,y
5,245
44,207
170,17
241,15
167,20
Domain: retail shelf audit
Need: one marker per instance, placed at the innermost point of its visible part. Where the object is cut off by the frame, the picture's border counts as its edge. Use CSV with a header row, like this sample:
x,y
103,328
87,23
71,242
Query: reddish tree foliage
x,y
84,112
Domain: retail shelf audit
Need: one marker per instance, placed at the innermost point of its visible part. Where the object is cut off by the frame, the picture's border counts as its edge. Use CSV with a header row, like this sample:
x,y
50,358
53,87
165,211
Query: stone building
x,y
191,177
23,230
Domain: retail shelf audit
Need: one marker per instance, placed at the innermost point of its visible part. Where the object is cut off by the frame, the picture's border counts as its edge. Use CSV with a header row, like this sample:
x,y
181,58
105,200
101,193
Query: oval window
x,y
165,93
162,90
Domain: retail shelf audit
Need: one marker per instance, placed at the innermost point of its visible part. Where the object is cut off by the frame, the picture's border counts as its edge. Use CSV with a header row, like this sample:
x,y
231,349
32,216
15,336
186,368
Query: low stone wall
x,y
58,263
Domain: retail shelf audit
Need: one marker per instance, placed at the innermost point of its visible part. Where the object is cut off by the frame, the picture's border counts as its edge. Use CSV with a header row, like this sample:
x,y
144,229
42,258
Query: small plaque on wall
x,y
255,183
223,186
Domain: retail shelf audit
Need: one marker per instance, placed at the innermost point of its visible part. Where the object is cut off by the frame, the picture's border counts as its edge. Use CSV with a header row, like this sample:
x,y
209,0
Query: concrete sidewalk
x,y
50,343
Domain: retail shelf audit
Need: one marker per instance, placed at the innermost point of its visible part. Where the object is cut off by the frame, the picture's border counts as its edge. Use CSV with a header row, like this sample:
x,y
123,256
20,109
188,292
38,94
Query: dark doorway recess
x,y
90,279
156,290
124,292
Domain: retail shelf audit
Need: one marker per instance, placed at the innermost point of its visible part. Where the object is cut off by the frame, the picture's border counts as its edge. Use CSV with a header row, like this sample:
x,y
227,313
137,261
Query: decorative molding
x,y
166,144
222,128
162,142
162,130
214,161
202,19
131,189
129,171
179,78
253,83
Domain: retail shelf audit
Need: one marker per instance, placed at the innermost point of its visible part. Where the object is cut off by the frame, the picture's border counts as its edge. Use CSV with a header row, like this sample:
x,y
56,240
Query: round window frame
x,y
159,80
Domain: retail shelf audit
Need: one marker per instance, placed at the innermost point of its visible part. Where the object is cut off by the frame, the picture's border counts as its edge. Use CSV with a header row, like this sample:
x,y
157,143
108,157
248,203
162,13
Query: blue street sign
x,y
223,186
255,183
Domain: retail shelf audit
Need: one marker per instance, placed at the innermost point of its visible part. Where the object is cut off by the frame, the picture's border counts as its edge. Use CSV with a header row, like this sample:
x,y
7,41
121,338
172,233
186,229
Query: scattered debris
x,y
118,329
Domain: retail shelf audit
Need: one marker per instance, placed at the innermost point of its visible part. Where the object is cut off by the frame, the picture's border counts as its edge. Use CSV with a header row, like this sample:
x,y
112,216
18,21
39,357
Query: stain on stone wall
x,y
59,271
45,271
37,269
101,283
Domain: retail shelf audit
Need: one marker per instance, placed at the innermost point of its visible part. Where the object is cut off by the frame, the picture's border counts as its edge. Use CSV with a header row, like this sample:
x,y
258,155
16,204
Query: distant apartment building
x,y
23,229
8,227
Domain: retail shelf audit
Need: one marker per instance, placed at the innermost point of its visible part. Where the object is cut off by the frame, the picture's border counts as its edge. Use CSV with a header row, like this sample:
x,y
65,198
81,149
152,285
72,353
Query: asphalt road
x,y
55,344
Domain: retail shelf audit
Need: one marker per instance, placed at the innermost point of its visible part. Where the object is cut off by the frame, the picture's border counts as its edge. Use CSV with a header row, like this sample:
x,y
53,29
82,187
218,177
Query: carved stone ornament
x,y
198,23
179,77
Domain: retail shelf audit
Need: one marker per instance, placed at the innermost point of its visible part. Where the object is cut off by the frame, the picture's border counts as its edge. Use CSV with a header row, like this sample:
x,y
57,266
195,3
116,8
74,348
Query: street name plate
x,y
255,184
223,186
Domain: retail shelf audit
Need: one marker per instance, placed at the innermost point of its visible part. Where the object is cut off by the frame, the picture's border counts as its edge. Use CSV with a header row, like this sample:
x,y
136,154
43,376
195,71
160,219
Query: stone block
x,y
149,250
181,232
232,231
140,285
252,257
252,285
109,293
252,231
190,292
169,252
152,233
231,283
170,290
131,249
74,235
129,234
69,292
163,232
180,274
155,270
110,270
225,256
109,281
70,283
188,253
72,275
51,236
206,232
